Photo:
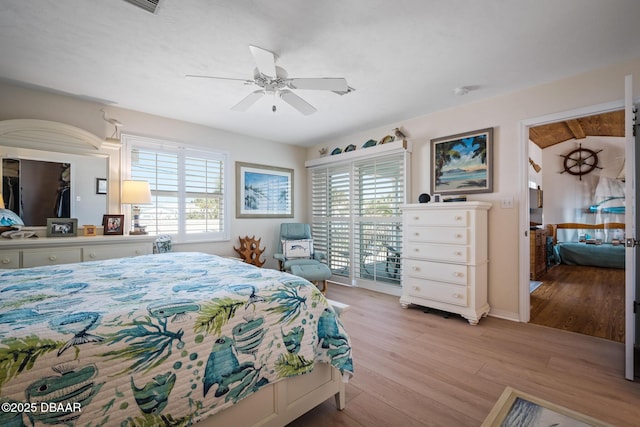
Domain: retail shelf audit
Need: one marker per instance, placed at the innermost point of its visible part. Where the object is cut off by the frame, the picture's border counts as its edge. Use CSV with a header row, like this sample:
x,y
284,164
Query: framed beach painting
x,y
462,163
263,191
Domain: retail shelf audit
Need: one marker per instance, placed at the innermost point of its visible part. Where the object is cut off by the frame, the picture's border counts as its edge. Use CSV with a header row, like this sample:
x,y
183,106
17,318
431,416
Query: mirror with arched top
x,y
52,169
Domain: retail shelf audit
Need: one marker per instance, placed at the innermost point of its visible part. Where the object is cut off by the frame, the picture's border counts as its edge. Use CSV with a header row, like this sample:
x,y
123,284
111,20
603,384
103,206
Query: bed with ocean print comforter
x,y
163,339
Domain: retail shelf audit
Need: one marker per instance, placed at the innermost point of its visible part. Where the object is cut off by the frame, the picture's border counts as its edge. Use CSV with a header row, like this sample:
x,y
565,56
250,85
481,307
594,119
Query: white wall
x,y
505,114
566,197
20,103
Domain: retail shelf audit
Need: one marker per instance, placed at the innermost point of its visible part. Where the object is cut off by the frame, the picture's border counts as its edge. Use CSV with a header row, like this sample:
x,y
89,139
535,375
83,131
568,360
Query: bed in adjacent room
x,y
166,339
586,250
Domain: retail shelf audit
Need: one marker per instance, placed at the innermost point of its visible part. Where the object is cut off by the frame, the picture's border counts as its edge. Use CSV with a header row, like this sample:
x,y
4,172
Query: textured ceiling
x,y
403,57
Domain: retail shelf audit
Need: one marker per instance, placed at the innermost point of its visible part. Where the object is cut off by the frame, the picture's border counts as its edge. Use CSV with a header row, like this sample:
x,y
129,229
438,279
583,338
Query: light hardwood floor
x,y
418,369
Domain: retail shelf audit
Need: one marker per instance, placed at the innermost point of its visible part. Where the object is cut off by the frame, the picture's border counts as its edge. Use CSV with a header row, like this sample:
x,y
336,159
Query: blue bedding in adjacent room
x,y
576,253
162,339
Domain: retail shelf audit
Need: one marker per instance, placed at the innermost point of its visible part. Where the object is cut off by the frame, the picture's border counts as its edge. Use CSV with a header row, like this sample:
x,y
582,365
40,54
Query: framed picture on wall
x,y
113,224
101,186
263,191
462,163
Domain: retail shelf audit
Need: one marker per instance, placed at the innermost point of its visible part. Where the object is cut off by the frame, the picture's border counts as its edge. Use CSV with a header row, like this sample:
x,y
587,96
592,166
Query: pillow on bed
x,y
297,248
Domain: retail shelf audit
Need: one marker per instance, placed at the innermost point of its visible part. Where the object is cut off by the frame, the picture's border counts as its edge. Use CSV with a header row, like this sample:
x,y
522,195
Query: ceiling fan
x,y
275,80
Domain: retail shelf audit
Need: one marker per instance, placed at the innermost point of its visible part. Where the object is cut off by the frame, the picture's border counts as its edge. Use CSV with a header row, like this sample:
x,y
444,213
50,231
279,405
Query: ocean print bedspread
x,y
164,339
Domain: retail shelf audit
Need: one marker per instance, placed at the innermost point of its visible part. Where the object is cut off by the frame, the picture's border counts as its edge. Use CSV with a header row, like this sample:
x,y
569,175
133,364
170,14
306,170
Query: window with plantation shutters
x,y
357,219
187,188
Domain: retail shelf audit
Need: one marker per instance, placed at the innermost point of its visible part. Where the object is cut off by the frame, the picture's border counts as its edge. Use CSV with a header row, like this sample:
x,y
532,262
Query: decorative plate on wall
x,y
336,151
350,147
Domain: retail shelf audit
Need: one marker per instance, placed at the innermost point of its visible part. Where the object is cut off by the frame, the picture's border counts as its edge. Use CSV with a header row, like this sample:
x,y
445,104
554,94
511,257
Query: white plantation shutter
x,y
356,218
379,191
187,188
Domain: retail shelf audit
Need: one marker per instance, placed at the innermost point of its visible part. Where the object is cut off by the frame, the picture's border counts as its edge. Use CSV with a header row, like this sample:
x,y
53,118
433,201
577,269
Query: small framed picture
x,y
101,186
89,230
113,224
62,227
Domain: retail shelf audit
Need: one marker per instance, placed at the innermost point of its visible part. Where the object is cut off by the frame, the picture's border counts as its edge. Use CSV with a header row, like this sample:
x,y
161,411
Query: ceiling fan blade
x,y
219,78
265,60
323,83
296,102
248,101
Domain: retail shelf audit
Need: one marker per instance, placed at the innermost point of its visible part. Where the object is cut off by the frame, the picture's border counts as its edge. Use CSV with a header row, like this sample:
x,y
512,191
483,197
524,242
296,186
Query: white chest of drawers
x,y
445,257
64,250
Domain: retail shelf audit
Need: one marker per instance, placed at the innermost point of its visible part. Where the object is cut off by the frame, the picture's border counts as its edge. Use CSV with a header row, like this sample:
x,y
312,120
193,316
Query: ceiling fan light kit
x,y
273,79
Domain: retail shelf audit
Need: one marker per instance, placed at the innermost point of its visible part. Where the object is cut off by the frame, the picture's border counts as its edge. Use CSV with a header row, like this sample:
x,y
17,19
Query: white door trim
x,y
524,307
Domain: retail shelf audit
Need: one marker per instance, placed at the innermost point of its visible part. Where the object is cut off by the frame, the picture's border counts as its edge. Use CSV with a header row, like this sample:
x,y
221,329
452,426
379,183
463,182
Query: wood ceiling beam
x,y
576,129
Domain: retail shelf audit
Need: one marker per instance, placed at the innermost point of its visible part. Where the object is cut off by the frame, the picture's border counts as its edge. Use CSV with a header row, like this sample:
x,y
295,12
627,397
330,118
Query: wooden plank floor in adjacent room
x,y
587,300
421,369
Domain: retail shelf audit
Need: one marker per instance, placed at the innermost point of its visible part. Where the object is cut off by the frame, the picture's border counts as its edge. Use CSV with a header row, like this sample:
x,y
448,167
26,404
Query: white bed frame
x,y
276,405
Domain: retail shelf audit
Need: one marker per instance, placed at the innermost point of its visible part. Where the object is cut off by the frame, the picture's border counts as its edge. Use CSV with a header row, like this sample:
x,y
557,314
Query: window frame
x,y
130,142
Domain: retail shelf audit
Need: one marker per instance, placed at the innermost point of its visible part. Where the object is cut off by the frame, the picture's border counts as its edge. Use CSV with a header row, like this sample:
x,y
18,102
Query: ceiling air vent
x,y
148,5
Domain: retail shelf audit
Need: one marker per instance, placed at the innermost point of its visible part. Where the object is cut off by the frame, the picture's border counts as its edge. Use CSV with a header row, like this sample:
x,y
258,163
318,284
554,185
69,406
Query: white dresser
x,y
445,257
39,251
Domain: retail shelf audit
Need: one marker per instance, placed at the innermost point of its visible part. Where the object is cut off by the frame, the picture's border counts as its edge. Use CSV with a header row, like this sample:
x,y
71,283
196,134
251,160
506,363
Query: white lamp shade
x,y
136,193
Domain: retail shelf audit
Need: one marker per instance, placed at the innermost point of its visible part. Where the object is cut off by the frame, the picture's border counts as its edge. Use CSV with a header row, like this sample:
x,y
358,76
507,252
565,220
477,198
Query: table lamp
x,y
136,193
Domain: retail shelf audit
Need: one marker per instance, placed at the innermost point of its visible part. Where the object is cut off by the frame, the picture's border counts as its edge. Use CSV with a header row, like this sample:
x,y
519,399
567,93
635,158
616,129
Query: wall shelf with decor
x,y
388,148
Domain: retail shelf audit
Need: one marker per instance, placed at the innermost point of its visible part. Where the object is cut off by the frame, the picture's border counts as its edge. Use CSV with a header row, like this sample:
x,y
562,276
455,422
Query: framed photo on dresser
x,y
62,227
113,224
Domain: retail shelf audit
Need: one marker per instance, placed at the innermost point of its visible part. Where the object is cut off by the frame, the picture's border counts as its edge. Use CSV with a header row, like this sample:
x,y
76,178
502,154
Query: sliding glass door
x,y
357,219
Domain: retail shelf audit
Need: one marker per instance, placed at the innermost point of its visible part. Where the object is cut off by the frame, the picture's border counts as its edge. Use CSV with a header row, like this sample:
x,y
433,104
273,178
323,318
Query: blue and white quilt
x,y
164,339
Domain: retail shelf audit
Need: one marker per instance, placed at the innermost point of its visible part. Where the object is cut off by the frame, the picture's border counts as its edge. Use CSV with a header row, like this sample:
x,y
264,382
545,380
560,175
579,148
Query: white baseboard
x,y
507,315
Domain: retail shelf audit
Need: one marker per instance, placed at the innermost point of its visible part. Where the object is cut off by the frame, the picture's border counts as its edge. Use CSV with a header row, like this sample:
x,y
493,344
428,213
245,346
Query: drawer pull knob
x,y
416,234
458,274
52,257
6,260
416,218
414,268
458,218
416,288
416,250
457,295
458,236
92,254
458,253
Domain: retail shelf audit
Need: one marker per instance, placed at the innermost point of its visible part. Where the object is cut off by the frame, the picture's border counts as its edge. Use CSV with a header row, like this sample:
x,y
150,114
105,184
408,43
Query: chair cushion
x,y
312,272
299,261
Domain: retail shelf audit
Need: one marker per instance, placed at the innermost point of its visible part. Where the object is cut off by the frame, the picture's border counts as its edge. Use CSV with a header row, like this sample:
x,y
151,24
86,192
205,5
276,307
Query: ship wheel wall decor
x,y
580,161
